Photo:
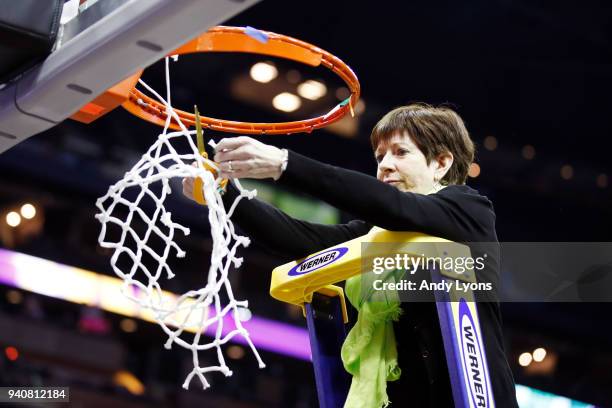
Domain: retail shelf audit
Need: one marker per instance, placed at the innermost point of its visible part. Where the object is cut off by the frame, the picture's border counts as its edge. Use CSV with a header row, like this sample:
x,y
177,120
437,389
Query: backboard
x,y
107,42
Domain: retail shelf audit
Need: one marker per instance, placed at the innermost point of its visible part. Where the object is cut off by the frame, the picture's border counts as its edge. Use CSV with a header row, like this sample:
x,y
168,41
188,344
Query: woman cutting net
x,y
423,155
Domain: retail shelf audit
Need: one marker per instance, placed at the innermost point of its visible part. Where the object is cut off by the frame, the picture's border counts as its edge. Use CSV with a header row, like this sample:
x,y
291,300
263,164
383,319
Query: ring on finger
x,y
230,166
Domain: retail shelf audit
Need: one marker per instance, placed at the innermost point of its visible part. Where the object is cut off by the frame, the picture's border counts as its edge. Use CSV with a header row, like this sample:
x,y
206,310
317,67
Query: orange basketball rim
x,y
231,39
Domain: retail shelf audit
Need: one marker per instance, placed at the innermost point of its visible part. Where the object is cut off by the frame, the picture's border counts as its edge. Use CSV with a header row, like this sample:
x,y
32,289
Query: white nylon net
x,y
140,257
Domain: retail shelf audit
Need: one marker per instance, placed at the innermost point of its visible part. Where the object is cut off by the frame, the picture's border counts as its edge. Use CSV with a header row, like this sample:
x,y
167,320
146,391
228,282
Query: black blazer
x,y
457,213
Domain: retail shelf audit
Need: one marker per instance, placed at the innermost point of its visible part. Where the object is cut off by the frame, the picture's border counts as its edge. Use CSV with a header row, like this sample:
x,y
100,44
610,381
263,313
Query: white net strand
x,y
198,310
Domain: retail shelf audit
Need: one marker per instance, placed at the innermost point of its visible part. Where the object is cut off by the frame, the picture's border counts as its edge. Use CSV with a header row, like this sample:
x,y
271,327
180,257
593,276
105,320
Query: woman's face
x,y
402,164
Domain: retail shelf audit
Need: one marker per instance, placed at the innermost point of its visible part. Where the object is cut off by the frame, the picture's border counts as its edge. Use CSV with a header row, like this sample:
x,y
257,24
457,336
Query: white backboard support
x,y
106,43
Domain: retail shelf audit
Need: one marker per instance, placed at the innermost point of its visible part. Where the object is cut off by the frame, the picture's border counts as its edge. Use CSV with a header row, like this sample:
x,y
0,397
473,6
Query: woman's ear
x,y
443,163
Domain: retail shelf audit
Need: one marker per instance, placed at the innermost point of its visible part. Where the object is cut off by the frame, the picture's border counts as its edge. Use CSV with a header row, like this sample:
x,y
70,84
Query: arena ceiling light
x,y
525,359
539,354
312,89
28,211
286,102
263,72
13,219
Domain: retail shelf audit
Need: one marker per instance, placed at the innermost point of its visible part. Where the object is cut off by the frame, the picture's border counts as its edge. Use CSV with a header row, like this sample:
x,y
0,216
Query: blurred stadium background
x,y
531,79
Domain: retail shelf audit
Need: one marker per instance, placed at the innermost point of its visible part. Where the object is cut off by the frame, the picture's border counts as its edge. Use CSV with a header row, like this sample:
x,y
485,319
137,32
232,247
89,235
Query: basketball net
x,y
211,310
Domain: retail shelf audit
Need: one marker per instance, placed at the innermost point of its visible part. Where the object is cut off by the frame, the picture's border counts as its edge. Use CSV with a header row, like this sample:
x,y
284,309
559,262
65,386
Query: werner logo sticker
x,y
318,261
474,363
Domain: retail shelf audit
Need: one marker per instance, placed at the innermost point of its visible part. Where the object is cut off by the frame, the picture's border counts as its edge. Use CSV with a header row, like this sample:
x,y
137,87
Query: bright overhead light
x,y
28,211
13,219
286,102
525,359
312,89
263,72
539,354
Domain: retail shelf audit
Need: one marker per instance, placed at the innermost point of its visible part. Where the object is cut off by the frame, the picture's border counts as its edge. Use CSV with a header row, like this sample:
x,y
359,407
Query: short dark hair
x,y
434,130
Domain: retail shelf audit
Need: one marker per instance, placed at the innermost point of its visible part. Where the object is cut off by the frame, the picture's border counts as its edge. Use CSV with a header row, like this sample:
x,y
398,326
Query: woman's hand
x,y
245,157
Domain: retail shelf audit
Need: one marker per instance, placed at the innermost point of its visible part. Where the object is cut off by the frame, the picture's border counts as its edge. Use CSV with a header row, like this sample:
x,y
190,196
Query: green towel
x,y
369,352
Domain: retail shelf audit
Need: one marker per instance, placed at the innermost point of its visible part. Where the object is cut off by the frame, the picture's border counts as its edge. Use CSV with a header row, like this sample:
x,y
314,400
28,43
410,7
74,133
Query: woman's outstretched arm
x,y
280,232
284,234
